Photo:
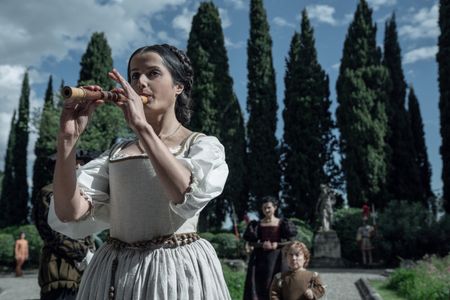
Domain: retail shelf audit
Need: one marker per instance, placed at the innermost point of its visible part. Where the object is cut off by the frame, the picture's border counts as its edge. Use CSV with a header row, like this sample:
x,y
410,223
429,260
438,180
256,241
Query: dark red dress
x,y
264,264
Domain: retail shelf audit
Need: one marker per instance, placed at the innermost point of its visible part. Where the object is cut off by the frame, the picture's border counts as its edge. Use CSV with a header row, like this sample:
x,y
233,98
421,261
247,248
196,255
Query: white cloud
x,y
183,21
282,22
164,37
34,30
225,18
336,66
347,18
421,24
232,45
423,53
237,4
376,4
322,13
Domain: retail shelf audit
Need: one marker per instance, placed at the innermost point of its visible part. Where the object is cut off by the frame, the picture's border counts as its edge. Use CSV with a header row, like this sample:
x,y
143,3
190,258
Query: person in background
x,y
20,253
266,238
364,237
297,283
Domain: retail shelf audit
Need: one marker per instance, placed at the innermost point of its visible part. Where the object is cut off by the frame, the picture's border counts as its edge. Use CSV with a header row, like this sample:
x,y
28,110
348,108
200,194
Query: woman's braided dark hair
x,y
180,67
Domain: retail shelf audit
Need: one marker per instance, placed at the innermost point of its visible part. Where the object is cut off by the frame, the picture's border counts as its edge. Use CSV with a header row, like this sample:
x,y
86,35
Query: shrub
x,y
346,224
207,236
227,246
304,232
430,279
6,248
403,229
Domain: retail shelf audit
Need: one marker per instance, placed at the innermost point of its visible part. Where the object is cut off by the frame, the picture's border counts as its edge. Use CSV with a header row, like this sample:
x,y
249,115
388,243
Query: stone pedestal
x,y
326,250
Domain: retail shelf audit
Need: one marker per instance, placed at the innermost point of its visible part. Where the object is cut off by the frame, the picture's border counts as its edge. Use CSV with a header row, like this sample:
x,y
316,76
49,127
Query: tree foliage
x,y
14,197
308,142
443,60
403,181
216,110
19,214
45,146
263,153
108,121
9,192
362,89
420,146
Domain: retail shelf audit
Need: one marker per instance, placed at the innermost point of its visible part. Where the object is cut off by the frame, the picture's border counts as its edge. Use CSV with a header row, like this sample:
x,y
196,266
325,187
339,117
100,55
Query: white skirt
x,y
191,271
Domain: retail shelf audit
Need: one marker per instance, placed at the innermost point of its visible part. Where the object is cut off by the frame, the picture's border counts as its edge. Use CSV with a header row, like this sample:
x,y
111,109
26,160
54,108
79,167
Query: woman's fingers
x,y
92,106
115,75
92,87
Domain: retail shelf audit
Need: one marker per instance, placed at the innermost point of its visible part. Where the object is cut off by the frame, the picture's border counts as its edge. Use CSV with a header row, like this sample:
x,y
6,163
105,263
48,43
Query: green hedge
x,y
226,244
6,248
304,232
429,279
35,243
406,231
346,223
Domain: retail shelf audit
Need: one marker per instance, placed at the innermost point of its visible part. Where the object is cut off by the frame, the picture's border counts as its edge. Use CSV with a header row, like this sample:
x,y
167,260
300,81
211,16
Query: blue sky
x,y
49,37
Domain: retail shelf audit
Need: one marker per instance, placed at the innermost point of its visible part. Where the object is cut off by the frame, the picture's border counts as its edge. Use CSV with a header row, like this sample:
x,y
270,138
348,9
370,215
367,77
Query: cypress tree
x,y
308,140
443,59
263,152
403,181
420,146
46,143
362,89
1,180
9,191
108,121
20,213
216,109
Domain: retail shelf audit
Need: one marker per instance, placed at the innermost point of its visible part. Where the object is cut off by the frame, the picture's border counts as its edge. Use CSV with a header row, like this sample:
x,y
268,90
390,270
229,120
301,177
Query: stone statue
x,y
327,199
326,244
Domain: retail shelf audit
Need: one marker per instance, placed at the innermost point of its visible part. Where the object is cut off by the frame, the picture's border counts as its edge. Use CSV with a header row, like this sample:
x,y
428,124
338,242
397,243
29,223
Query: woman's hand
x,y
267,245
274,245
132,107
76,114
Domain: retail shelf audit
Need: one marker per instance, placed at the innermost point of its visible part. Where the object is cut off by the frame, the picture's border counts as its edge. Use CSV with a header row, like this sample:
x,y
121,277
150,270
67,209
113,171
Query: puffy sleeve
x,y
317,287
275,287
209,172
251,232
93,180
288,230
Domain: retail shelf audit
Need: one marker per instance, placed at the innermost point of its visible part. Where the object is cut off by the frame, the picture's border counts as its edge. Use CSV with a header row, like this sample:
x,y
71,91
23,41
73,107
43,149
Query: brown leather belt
x,y
172,240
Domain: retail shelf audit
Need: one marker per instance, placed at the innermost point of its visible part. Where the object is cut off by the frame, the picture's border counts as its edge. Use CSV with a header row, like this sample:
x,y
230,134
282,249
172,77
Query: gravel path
x,y
340,284
19,288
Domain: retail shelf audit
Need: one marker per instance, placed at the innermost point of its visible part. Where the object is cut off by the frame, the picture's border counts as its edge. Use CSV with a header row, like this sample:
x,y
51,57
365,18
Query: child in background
x,y
297,283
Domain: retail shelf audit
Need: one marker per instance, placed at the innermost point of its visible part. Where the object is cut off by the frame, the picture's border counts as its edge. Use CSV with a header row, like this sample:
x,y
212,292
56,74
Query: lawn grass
x,y
380,286
235,281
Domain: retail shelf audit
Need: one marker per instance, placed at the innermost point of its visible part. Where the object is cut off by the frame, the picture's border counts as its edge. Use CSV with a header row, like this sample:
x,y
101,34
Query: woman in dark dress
x,y
266,237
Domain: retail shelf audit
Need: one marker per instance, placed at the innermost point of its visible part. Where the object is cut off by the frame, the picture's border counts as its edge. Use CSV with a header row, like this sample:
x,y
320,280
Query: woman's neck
x,y
270,219
163,125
